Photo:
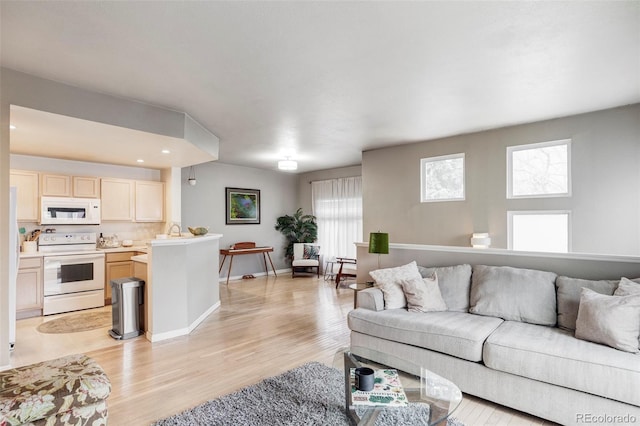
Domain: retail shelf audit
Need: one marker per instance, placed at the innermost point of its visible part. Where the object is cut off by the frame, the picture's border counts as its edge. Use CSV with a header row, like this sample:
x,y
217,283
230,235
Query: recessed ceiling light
x,y
140,160
166,151
12,127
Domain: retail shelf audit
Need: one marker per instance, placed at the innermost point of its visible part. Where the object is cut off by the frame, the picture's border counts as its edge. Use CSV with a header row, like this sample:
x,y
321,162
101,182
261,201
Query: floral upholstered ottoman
x,y
71,390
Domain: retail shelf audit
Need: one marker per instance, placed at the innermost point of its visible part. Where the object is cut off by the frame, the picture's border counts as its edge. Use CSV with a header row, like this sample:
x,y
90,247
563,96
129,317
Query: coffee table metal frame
x,y
442,396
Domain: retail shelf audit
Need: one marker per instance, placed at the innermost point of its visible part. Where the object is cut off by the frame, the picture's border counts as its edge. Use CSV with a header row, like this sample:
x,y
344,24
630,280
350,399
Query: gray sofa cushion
x,y
454,283
568,293
514,294
454,333
554,356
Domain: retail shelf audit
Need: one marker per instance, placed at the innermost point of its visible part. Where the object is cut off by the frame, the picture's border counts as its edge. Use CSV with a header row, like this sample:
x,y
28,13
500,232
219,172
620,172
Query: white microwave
x,y
69,211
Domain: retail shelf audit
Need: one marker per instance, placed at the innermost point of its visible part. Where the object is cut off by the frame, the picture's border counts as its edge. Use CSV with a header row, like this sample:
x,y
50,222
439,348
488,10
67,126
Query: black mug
x,y
364,379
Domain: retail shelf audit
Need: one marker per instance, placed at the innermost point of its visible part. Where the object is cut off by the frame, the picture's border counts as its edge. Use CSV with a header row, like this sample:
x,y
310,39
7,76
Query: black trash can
x,y
127,299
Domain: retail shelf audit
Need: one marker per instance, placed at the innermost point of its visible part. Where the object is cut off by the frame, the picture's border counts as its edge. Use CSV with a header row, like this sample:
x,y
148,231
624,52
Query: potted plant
x,y
297,228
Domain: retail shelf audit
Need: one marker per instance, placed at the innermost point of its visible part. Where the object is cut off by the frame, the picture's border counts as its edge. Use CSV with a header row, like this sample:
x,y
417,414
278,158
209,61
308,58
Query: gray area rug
x,y
312,394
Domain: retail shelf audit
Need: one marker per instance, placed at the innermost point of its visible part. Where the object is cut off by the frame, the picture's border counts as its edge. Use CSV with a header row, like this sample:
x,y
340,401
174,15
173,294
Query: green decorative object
x,y
200,230
298,228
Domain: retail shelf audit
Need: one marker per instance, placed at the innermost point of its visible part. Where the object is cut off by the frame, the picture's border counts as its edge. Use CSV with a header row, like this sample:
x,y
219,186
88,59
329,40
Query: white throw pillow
x,y
611,320
388,280
423,295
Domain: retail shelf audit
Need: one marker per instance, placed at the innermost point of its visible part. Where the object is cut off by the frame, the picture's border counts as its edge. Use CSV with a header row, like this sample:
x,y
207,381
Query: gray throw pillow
x,y
611,320
514,294
569,290
454,283
423,295
628,287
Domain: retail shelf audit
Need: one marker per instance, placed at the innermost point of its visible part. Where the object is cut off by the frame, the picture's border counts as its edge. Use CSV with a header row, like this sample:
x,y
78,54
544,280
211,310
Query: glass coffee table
x,y
431,398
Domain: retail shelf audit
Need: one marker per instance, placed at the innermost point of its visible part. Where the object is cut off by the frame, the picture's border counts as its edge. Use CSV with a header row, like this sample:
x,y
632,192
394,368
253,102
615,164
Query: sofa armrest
x,y
371,298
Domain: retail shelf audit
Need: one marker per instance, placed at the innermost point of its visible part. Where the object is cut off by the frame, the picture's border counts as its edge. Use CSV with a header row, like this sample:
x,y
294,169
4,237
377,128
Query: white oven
x,y
69,211
73,272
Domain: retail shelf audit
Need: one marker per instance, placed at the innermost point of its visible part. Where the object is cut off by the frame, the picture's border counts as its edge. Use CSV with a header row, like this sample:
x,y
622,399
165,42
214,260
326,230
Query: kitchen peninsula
x,y
182,286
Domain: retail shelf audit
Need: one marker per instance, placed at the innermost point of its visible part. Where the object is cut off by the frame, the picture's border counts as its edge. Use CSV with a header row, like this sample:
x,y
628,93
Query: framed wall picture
x,y
243,206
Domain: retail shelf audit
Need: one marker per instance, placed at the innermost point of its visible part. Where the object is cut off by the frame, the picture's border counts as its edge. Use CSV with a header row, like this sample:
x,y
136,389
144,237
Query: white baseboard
x,y
156,337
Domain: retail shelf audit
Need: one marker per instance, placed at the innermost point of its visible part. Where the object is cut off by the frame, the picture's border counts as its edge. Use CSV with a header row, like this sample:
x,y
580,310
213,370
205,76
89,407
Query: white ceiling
x,y
323,81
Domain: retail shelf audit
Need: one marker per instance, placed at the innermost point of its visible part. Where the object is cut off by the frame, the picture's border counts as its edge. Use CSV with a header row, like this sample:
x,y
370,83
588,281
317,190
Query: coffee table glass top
x,y
431,398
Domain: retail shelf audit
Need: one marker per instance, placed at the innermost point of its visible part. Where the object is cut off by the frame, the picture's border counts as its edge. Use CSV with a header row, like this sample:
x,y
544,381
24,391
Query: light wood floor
x,y
265,326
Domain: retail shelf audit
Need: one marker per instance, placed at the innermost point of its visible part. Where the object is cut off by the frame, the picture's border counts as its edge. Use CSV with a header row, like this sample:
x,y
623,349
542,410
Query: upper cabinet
x,y
130,200
70,186
56,185
86,187
27,184
149,201
117,199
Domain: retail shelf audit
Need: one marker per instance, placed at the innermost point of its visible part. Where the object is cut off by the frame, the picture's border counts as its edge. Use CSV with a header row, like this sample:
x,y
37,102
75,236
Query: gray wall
x,y
204,205
305,179
605,203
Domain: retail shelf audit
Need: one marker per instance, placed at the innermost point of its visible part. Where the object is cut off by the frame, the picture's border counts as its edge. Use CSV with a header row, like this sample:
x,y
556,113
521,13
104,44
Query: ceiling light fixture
x,y
140,160
287,164
166,151
12,127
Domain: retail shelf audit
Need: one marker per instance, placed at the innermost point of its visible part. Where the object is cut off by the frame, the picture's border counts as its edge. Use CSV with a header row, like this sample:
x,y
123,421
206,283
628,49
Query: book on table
x,y
387,390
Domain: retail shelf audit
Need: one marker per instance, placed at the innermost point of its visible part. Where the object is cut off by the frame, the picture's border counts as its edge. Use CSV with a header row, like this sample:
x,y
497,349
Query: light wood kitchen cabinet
x,y
29,288
70,186
149,201
117,199
28,195
117,265
86,187
56,185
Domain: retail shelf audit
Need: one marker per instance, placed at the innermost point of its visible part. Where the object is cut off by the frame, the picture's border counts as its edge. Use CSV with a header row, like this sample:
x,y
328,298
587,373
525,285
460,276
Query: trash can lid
x,y
127,282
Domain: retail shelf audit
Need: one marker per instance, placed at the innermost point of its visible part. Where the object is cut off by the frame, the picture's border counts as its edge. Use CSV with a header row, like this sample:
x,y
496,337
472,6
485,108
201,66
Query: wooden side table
x,y
356,288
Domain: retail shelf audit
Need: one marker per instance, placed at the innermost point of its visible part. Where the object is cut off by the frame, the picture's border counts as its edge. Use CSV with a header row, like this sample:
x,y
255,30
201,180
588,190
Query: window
x,y
337,205
442,178
546,231
539,170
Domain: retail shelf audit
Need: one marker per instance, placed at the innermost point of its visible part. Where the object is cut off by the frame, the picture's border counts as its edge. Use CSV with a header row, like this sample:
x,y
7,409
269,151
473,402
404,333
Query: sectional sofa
x,y
508,335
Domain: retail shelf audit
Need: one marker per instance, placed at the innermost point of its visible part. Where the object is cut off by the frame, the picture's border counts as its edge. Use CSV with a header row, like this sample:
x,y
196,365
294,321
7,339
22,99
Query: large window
x,y
337,205
442,178
539,170
546,231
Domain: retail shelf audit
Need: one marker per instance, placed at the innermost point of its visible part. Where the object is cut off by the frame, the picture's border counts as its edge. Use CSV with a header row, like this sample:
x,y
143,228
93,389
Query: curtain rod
x,y
324,180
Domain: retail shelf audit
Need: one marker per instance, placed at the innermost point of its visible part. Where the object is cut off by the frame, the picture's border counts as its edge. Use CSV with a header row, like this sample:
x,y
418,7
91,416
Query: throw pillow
x,y
454,283
310,251
423,295
628,287
611,320
568,293
388,280
514,294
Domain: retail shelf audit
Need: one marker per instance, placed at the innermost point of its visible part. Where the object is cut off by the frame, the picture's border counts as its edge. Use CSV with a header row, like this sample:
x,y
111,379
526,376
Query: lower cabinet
x,y
29,288
117,265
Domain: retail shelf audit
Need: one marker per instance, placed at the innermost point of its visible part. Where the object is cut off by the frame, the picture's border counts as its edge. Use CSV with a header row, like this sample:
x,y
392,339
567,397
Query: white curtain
x,y
337,205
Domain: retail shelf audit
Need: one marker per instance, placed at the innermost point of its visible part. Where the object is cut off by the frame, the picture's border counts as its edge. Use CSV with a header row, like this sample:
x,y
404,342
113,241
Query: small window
x,y
539,170
539,231
442,178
